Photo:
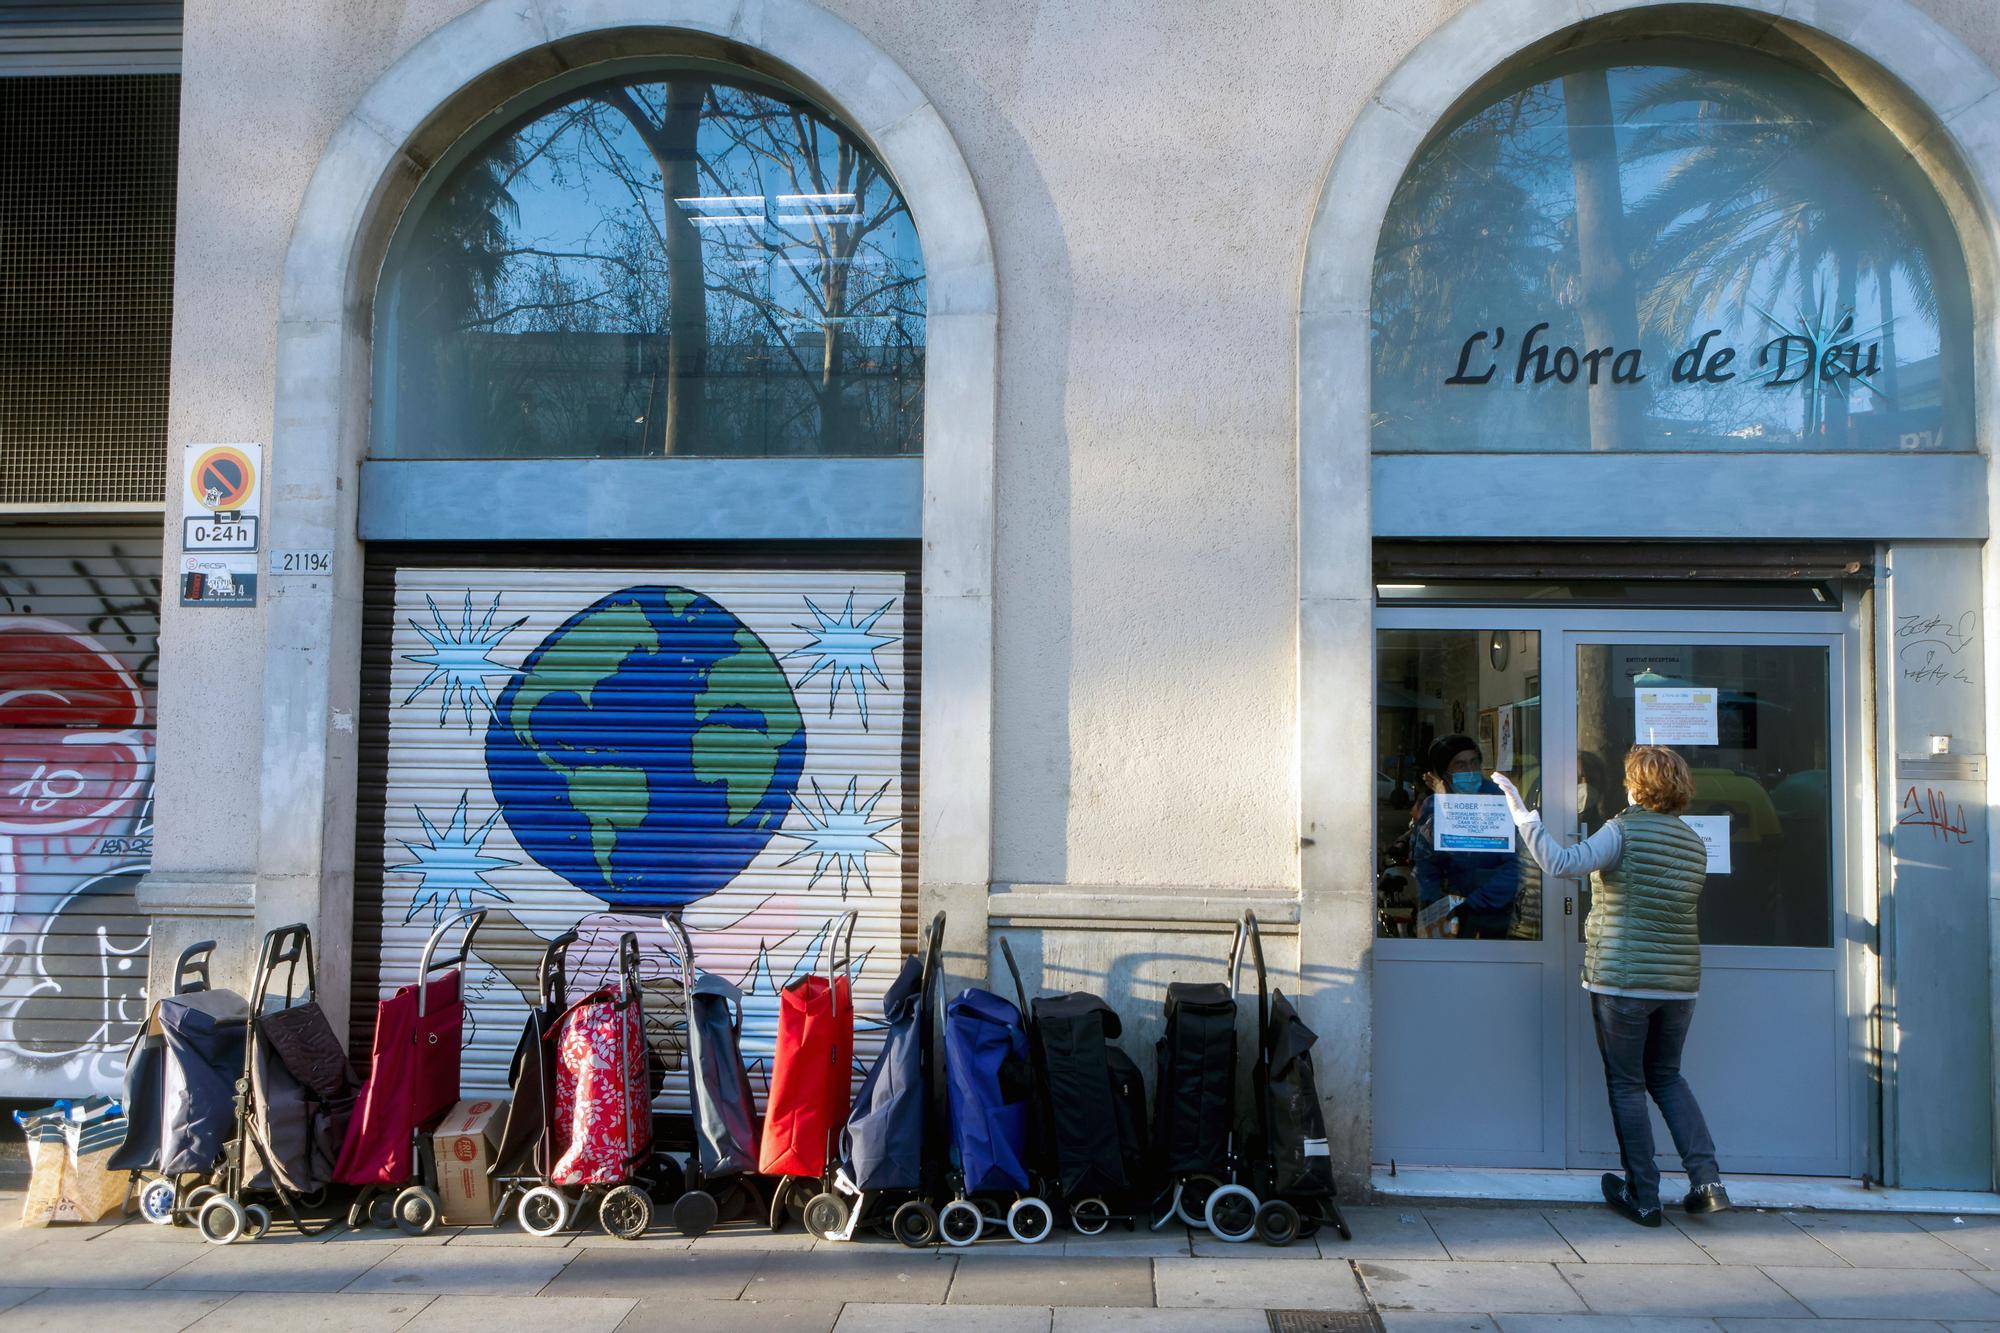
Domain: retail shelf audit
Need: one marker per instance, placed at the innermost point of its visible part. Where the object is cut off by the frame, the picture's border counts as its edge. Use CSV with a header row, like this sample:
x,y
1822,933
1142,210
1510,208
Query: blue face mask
x,y
1465,784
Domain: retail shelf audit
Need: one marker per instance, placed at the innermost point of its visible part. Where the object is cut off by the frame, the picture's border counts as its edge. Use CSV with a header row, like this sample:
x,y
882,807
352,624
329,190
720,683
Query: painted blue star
x,y
453,867
846,648
840,833
461,658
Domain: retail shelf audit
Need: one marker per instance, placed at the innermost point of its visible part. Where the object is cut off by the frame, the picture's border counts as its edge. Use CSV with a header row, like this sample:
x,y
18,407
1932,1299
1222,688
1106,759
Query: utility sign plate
x,y
202,533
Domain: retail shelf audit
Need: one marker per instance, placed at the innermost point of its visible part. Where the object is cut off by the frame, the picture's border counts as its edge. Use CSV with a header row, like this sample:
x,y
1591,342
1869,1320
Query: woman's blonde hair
x,y
1659,779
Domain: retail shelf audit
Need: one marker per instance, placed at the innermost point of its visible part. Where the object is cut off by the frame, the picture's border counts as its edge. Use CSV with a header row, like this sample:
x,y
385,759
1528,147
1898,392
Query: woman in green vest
x,y
1642,967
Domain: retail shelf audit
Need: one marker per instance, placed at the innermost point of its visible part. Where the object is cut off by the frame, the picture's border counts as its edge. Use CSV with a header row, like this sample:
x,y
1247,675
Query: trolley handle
x,y
1020,993
286,947
1246,930
191,972
628,966
839,954
553,974
427,965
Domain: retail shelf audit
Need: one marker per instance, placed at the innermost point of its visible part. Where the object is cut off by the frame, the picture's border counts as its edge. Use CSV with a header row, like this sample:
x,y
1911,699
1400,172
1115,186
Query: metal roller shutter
x,y
585,747
79,648
42,37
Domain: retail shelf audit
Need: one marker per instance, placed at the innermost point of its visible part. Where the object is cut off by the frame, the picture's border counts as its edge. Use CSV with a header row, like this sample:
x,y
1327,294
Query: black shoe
x,y
1621,1202
1707,1199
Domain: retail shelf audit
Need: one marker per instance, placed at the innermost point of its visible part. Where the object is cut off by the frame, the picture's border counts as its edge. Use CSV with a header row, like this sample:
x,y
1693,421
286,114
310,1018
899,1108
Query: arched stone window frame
x,y
1928,89
434,93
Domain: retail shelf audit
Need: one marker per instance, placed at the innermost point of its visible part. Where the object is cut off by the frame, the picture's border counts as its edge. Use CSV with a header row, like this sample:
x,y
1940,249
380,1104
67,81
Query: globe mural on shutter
x,y
592,749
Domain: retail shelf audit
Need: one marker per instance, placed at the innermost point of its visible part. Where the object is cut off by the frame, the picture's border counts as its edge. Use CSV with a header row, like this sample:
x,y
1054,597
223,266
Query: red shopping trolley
x,y
412,1082
811,1076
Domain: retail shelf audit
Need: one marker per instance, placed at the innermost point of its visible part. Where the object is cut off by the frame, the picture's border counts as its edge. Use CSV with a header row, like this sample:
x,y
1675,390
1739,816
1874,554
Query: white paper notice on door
x,y
1675,717
1714,831
1472,824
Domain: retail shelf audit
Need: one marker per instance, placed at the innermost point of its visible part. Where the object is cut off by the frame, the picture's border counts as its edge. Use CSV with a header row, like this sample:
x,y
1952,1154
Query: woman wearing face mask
x,y
1489,882
1642,967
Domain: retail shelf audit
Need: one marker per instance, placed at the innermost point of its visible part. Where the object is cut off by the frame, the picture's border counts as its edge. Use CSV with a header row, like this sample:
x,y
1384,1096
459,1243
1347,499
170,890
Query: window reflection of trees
x,y
660,266
1650,203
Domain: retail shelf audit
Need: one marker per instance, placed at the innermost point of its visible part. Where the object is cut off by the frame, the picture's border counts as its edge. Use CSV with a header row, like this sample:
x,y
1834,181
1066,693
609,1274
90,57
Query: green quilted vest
x,y
1643,933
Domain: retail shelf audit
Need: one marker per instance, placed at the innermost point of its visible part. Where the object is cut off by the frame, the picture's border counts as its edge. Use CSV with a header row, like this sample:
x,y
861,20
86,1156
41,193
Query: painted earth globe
x,y
648,750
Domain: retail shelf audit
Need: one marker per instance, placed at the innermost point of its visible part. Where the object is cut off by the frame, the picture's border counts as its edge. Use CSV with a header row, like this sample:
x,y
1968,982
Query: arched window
x,y
683,261
1669,245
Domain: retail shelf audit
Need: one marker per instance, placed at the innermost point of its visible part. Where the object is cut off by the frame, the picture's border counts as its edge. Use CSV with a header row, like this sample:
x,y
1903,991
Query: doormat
x,y
1323,1321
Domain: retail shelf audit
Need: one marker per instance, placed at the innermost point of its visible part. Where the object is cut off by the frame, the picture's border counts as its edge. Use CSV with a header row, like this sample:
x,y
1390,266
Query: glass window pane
x,y
1669,246
679,263
1452,706
1767,774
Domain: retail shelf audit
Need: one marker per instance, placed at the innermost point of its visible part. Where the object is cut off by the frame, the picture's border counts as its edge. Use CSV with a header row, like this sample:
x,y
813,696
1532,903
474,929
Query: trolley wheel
x,y
221,1219
625,1211
1089,1217
915,1223
826,1215
382,1210
736,1200
1191,1199
669,1179
156,1202
1231,1214
544,1211
258,1223
190,1207
416,1211
960,1222
695,1212
1030,1221
1277,1223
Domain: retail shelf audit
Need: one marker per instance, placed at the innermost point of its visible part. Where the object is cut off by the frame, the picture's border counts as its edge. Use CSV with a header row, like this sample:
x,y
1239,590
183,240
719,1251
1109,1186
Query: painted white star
x,y
840,834
461,658
846,648
453,867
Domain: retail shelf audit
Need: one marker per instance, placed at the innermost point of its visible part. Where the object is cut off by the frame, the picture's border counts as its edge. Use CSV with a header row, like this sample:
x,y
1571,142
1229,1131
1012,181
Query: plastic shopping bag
x,y
70,1145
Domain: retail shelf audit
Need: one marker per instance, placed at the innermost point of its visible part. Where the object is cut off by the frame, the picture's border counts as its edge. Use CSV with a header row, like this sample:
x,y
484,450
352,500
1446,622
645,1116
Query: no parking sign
x,y
222,505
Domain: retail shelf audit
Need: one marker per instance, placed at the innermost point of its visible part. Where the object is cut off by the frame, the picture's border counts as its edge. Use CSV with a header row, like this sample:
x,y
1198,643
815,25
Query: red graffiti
x,y
73,755
1933,811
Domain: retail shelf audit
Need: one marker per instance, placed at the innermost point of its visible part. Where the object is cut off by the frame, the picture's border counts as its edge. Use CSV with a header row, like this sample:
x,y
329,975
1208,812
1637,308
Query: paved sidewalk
x,y
1430,1268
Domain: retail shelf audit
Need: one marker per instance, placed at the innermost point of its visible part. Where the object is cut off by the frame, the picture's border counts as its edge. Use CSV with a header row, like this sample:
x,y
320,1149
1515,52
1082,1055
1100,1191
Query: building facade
x,y
1068,468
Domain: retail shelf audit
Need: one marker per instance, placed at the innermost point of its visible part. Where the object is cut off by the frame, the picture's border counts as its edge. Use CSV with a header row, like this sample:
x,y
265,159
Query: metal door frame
x,y
1561,627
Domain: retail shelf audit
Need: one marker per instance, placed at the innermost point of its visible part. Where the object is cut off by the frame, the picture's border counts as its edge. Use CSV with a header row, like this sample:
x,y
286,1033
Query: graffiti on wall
x,y
727,746
78,647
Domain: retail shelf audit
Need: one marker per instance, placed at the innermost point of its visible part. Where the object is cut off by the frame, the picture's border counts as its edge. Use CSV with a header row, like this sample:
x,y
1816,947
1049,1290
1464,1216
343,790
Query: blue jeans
x,y
1641,1043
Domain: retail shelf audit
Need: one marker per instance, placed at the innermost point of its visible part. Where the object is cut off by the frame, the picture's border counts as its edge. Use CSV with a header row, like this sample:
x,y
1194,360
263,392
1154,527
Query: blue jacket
x,y
1488,881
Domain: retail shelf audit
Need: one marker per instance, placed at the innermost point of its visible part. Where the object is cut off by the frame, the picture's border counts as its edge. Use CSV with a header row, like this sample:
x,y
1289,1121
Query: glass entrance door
x,y
1484,1052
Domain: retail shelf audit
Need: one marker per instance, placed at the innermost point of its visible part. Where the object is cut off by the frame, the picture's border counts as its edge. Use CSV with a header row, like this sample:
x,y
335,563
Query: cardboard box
x,y
465,1142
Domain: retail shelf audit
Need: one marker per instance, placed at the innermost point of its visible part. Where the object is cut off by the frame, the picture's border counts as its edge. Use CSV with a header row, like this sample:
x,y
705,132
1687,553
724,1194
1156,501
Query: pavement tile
x,y
69,1310
1469,1288
859,1317
265,1266
511,1233
1887,1293
1973,1326
1205,1246
1382,1233
116,1266
260,1312
1831,1325
1240,1283
731,1240
1745,1237
1013,1279
369,1234
678,1314
1600,1236
1520,1234
1112,1319
1836,1325
881,1277
643,1272
482,1314
493,1270
1976,1236
143,1233
1417,1321
1703,1290
12,1296
1882,1240
1607,1323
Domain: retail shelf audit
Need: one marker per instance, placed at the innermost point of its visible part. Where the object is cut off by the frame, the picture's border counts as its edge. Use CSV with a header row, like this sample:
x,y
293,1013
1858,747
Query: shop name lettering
x,y
1786,360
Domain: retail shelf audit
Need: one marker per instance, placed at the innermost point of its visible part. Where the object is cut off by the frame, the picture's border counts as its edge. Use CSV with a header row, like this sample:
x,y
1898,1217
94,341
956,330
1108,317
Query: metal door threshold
x,y
1494,1185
